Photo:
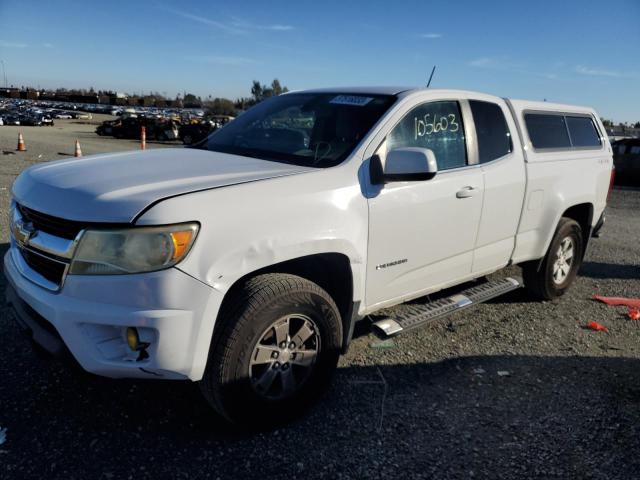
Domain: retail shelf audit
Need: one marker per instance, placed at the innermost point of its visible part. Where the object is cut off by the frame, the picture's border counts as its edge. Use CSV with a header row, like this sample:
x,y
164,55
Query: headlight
x,y
133,250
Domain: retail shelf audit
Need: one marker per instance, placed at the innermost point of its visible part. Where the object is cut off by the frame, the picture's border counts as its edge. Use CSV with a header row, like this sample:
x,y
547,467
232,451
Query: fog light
x,y
133,340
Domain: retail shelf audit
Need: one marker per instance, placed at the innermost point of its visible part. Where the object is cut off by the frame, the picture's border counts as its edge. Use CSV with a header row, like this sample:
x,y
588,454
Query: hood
x,y
116,187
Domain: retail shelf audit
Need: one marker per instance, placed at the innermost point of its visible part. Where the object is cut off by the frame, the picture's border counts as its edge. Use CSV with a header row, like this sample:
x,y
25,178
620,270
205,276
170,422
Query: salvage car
x,y
244,266
129,127
106,127
30,120
193,133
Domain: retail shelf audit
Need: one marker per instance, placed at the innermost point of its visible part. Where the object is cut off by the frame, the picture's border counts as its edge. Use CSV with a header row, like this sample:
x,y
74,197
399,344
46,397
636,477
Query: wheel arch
x,y
330,271
583,214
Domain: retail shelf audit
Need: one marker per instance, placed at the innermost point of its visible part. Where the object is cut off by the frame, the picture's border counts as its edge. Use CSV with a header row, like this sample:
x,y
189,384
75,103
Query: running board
x,y
409,316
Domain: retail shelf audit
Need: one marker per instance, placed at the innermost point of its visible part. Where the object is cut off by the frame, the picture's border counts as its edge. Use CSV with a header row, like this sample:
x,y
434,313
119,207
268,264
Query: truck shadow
x,y
512,414
610,270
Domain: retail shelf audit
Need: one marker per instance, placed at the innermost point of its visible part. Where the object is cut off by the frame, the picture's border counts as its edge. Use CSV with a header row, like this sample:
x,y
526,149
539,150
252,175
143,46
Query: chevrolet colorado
x,y
245,264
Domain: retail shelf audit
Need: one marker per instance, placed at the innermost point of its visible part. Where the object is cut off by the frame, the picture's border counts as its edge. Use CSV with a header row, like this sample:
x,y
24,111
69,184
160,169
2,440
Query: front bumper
x,y
173,312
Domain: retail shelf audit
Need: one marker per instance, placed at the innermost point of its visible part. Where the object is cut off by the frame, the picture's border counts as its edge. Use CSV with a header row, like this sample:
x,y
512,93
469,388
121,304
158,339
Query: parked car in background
x,y
106,127
30,120
193,133
127,128
11,120
626,158
131,127
196,130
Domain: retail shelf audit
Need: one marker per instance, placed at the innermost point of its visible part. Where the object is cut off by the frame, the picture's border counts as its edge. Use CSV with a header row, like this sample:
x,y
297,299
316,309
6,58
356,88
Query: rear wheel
x,y
274,350
553,277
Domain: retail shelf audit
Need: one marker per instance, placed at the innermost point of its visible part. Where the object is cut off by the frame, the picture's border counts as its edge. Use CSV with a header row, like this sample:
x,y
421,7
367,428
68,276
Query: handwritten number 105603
x,y
428,125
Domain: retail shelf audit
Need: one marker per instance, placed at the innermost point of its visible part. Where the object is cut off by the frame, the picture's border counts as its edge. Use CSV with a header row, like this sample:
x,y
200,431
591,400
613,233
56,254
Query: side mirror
x,y
410,164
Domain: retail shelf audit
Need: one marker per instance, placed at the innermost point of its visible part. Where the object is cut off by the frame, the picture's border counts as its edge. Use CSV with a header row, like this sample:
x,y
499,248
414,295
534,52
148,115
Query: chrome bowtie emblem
x,y
24,231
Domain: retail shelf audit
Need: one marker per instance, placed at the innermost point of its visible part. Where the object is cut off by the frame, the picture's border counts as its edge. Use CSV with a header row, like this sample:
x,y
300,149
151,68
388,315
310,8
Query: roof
x,y
387,90
359,90
404,91
523,105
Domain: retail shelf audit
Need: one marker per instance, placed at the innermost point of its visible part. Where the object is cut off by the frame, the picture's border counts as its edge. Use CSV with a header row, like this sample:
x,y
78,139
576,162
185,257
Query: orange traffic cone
x,y
77,152
143,138
21,146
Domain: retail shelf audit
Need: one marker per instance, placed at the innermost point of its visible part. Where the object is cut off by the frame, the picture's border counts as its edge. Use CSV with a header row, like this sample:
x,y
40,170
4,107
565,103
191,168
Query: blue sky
x,y
572,51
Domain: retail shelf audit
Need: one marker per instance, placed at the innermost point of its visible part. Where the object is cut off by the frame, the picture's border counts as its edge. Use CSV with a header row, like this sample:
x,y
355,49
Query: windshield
x,y
310,129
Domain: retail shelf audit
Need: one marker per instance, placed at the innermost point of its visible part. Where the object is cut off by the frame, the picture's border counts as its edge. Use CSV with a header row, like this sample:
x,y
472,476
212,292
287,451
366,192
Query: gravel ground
x,y
511,389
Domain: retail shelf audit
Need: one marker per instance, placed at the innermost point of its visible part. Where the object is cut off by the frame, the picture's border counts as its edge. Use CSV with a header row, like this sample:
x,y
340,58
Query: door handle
x,y
466,192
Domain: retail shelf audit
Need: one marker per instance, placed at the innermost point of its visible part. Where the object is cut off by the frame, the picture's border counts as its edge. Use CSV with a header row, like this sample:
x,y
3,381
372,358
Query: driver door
x,y
422,233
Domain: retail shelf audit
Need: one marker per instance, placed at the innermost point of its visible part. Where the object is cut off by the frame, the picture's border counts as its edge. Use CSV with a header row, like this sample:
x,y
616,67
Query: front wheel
x,y
274,350
553,277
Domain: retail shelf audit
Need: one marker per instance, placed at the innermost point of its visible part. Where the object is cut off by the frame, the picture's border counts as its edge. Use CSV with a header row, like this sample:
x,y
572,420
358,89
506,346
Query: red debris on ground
x,y
597,327
634,313
629,302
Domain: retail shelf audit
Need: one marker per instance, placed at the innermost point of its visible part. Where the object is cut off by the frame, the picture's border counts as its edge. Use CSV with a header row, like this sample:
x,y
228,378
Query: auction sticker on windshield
x,y
351,100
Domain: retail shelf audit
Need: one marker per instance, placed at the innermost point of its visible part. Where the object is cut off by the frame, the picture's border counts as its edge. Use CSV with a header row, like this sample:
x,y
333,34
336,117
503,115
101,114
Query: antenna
x,y
431,76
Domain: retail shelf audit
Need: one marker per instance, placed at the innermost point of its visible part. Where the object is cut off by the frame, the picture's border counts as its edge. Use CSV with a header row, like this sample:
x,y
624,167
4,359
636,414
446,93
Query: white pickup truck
x,y
243,264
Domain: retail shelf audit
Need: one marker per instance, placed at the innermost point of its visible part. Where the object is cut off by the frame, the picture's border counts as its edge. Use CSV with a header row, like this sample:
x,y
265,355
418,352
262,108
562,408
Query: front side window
x,y
583,132
494,138
436,126
308,129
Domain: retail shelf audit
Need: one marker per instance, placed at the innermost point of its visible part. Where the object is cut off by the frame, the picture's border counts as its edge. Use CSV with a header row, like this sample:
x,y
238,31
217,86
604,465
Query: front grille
x,y
59,227
49,268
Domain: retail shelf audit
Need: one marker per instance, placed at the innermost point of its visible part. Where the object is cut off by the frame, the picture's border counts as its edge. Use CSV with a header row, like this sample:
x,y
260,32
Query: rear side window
x,y
494,138
547,131
436,126
583,132
562,131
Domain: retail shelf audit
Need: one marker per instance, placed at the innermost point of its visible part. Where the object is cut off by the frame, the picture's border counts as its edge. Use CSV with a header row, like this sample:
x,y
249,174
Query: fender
x,y
270,222
547,199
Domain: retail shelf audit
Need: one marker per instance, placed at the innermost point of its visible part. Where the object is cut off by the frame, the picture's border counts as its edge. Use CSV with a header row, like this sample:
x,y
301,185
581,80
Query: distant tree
x,y
221,106
276,88
243,103
260,91
607,123
636,125
157,95
191,101
256,91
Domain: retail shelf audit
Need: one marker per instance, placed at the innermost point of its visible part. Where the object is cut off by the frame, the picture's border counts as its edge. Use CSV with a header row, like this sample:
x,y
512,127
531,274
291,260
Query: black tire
x,y
244,320
539,276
